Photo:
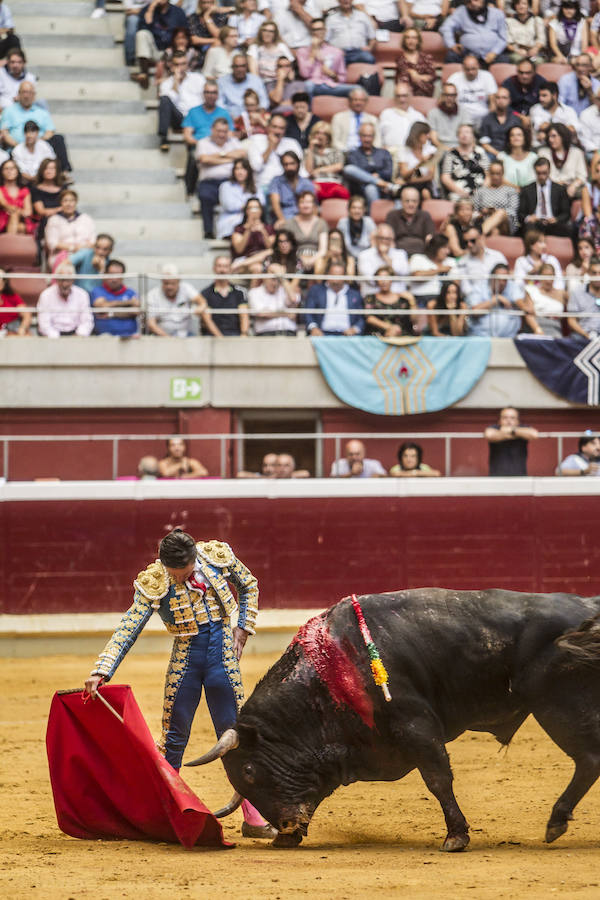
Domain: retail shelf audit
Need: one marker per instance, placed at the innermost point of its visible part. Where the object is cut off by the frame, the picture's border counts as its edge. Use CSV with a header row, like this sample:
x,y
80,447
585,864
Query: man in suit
x,y
545,204
346,123
337,301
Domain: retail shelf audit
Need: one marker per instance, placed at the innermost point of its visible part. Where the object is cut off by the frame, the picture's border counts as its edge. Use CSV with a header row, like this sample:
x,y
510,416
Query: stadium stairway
x,y
123,181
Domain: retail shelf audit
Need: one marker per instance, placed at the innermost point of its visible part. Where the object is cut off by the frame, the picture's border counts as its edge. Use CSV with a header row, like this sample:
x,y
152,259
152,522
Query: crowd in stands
x,y
473,191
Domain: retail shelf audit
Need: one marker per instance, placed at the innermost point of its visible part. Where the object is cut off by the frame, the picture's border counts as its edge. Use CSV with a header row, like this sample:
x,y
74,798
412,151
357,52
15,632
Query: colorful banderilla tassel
x,y
380,676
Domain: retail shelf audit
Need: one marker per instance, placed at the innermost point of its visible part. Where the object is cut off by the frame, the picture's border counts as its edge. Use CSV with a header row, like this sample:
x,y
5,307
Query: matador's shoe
x,y
258,831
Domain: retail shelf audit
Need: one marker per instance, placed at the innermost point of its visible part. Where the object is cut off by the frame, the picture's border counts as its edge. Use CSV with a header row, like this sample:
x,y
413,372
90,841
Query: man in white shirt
x,y
387,14
11,76
178,94
549,111
474,86
589,126
338,303
173,306
265,151
478,262
355,464
266,301
353,32
383,253
30,154
64,308
395,122
293,18
215,156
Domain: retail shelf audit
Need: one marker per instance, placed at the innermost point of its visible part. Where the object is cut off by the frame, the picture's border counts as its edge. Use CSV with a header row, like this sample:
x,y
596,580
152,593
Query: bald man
x,y
356,465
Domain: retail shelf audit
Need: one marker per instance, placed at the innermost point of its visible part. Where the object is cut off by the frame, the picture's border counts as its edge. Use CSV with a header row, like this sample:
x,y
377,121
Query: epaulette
x,y
217,553
153,582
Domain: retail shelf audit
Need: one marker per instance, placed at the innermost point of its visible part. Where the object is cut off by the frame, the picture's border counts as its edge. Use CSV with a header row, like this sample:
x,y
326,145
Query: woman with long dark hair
x,y
336,252
568,33
16,211
233,197
386,300
567,162
517,157
415,166
452,324
252,239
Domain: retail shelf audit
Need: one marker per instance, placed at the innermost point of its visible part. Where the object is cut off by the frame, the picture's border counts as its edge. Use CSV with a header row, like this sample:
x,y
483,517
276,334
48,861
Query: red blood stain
x,y
334,668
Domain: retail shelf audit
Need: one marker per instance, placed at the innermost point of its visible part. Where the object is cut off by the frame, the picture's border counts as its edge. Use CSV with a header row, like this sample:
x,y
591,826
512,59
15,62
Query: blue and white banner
x,y
568,366
392,380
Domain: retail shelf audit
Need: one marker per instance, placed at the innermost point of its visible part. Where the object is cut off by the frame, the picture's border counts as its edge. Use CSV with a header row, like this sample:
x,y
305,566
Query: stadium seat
x,y
439,210
512,247
423,104
380,209
501,71
326,107
355,70
561,248
387,53
433,43
449,69
376,105
333,210
18,250
29,288
553,71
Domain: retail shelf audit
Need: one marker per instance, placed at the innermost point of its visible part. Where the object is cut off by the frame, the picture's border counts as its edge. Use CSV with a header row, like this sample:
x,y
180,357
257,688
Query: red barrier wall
x,y
81,556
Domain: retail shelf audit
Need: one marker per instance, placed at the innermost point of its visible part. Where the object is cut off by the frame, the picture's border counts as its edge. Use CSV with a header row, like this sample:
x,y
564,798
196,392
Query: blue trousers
x,y
204,661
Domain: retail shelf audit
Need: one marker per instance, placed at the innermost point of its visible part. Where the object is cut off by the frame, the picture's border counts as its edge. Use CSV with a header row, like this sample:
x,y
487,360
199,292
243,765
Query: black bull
x,y
457,661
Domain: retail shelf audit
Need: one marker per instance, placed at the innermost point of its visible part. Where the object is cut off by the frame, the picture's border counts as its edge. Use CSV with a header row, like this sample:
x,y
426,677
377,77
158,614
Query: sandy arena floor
x,y
368,839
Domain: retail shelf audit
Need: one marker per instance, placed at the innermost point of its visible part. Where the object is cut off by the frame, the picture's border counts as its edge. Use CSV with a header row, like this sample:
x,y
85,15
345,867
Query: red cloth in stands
x,y
110,781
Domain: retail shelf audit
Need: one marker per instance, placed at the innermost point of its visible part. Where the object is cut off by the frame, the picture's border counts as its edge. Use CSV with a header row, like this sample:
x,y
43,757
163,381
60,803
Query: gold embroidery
x,y
175,672
217,553
153,582
232,666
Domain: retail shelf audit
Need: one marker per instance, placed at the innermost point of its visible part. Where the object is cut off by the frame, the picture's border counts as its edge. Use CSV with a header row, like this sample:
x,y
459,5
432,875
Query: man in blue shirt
x,y
233,87
25,109
197,125
156,23
501,297
111,294
476,28
92,261
577,89
369,169
285,189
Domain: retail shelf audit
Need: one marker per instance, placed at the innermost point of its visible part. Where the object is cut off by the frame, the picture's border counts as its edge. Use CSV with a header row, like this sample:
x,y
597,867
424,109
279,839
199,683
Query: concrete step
x,y
102,124
187,265
65,42
139,211
99,107
151,248
102,58
27,24
90,90
50,8
124,176
179,230
77,74
95,194
134,141
117,159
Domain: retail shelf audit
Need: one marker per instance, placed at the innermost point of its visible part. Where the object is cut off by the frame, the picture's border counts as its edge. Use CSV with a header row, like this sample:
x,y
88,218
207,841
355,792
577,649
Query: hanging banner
x,y
568,366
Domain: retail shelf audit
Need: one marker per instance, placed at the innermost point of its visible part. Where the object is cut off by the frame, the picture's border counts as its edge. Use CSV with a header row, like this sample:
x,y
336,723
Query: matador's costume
x,y
197,613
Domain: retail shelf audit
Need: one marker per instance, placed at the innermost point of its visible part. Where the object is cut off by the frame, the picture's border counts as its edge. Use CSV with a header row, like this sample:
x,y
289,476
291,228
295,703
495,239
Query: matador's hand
x,y
239,640
92,684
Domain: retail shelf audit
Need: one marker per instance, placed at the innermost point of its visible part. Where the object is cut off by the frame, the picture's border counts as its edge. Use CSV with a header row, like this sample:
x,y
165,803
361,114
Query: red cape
x,y
110,781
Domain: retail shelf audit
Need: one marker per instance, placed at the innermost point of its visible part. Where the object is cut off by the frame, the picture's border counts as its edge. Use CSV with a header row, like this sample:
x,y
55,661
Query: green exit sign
x,y
186,388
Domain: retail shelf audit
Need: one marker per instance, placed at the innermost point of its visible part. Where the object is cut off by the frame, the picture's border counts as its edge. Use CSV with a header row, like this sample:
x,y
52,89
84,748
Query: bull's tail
x,y
583,642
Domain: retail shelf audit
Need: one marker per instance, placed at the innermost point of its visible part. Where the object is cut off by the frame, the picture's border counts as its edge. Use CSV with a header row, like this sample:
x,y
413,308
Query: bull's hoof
x,y
554,831
286,841
258,831
455,843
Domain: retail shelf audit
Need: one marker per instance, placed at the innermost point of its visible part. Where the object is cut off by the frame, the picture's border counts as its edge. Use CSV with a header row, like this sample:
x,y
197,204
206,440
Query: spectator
x,y
495,125
368,168
474,87
464,167
426,15
178,94
412,226
215,156
30,154
63,308
177,464
309,229
322,65
285,253
285,467
147,469
457,226
499,297
590,201
233,196
454,322
524,87
336,252
410,463
132,11
585,301
11,76
548,112
357,228
543,304
68,230
252,239
432,264
396,121
551,8
497,203
268,301
385,300
113,295
346,123
338,303
414,67
479,261
16,212
247,20
568,32
587,459
156,24
197,124
294,20
508,442
16,322
589,126
352,31
253,119
567,162
267,469
45,193
204,25
355,464
325,164
265,152
180,44
578,269
172,306
286,85
265,53
285,189
387,14
517,158
383,253
476,28
25,109
525,34
301,122
545,203
233,87
222,295
576,89
219,59
8,38
447,117
92,261
416,166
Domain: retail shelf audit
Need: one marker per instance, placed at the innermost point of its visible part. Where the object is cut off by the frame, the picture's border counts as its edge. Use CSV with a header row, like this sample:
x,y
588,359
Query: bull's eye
x,y
248,771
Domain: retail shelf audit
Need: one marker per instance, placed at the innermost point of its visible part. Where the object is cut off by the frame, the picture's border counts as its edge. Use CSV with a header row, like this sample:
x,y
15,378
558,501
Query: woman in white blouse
x,y
567,162
543,304
264,53
530,265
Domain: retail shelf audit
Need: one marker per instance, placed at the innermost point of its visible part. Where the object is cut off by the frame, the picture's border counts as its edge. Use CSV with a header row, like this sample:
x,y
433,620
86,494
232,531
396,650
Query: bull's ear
x,y
248,735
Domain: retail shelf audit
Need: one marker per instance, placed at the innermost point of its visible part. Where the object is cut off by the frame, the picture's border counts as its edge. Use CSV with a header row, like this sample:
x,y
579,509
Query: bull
x,y
457,661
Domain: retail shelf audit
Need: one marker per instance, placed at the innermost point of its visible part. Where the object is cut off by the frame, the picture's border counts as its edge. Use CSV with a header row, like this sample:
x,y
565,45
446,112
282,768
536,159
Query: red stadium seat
x,y
501,71
433,43
423,104
18,250
29,288
561,248
439,210
449,69
326,107
355,70
512,247
376,105
380,209
333,210
387,53
553,71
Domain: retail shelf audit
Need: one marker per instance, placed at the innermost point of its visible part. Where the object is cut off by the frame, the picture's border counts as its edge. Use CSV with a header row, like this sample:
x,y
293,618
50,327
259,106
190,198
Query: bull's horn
x,y
231,806
229,740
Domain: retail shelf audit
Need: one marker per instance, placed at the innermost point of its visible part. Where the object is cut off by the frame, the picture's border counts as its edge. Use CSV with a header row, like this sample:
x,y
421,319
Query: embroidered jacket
x,y
182,607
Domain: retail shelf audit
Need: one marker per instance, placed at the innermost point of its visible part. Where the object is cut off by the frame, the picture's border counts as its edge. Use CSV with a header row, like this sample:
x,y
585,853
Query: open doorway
x,y
280,425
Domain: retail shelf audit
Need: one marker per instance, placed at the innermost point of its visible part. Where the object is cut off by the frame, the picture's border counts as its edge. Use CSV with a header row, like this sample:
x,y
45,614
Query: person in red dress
x,y
16,213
